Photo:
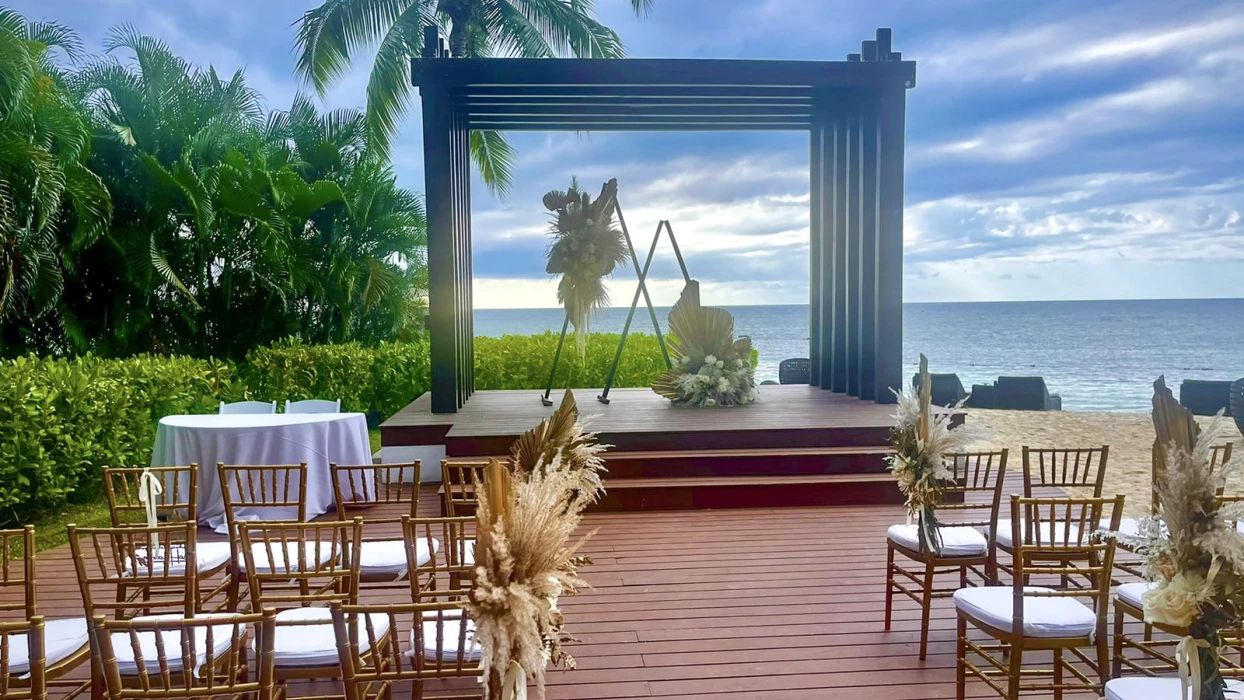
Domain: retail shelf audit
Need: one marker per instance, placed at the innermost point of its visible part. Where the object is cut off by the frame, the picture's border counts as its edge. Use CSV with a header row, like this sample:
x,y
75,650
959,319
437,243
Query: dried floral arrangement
x,y
525,558
1194,550
713,369
585,250
922,440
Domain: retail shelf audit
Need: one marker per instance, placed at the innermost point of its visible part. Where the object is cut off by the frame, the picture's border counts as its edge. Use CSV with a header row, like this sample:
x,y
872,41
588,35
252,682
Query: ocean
x,y
1099,355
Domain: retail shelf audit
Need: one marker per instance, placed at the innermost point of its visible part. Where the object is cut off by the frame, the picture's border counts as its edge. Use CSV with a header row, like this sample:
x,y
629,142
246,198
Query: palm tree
x,y
333,35
49,200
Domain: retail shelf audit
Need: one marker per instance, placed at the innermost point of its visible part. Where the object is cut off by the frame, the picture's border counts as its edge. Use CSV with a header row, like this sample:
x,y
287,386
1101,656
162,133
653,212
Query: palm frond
x,y
495,159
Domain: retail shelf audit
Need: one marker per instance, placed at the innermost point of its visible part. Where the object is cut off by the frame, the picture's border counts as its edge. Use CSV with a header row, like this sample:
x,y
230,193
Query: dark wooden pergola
x,y
854,111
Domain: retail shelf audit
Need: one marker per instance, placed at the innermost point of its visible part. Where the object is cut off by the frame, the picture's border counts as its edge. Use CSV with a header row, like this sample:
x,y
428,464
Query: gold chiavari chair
x,y
459,480
1048,471
415,643
297,569
62,643
1156,654
978,479
448,575
381,494
177,500
23,663
1053,537
134,571
147,658
250,488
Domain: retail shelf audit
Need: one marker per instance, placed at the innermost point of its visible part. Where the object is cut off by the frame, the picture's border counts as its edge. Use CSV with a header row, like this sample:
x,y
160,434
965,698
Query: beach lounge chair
x,y
794,370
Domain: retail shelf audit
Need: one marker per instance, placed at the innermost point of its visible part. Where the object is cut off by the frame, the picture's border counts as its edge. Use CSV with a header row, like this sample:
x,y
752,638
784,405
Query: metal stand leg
x,y
626,328
556,357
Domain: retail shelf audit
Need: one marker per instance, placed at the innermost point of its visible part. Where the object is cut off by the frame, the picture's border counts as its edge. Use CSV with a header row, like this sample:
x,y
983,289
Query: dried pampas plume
x,y
524,554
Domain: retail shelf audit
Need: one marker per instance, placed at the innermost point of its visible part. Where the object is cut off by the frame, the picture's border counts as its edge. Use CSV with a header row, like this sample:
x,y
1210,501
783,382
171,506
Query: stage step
x,y
769,491
746,462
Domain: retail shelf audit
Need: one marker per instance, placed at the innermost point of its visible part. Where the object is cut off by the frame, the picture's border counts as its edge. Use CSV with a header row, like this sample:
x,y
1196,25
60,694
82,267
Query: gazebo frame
x,y
854,111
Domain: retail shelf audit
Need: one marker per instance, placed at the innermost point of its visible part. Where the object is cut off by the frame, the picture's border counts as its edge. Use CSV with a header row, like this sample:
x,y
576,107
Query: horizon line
x,y
905,303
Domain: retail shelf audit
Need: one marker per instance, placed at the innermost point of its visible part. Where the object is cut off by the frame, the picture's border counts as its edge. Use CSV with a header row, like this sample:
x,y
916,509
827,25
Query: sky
x,y
1055,150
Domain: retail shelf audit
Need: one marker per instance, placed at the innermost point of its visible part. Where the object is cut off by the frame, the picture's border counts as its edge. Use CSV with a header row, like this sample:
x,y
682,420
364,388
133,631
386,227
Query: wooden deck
x,y
772,604
791,415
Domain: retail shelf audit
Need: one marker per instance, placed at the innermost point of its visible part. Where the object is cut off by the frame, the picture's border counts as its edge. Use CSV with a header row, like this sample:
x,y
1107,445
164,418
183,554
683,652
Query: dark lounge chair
x,y
794,371
1205,397
947,388
1237,403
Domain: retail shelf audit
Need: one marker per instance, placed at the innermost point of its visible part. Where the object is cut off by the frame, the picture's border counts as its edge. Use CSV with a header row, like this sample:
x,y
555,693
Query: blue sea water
x,y
1099,355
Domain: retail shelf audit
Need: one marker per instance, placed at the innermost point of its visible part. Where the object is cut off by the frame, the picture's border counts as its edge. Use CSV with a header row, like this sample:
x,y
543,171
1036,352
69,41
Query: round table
x,y
262,439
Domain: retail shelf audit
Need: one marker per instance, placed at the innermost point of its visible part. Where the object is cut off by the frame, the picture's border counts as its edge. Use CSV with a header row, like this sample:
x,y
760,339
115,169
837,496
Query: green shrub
x,y
61,420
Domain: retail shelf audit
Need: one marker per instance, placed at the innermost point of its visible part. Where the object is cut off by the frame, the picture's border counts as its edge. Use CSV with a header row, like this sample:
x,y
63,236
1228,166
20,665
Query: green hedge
x,y
61,420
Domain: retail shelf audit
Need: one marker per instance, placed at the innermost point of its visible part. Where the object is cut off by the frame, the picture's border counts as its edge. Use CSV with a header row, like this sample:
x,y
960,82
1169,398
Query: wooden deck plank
x,y
772,604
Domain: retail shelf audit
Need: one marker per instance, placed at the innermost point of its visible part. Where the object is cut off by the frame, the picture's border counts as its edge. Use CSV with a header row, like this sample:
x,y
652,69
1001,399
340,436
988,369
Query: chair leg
x,y
1103,654
1116,669
889,582
1015,672
961,651
1058,674
963,577
926,609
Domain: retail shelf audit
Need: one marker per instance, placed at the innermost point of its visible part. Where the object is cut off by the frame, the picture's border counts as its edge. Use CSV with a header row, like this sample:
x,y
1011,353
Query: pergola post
x,y
891,128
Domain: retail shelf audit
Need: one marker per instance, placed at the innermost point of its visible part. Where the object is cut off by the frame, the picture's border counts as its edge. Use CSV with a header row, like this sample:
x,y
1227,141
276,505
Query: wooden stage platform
x,y
796,446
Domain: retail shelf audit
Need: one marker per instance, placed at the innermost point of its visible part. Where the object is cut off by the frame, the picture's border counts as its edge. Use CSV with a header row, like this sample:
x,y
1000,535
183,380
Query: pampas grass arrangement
x,y
922,441
1194,550
524,554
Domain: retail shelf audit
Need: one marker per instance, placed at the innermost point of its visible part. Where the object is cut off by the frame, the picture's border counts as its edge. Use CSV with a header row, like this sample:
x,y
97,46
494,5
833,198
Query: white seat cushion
x,y
210,555
61,639
1139,688
123,646
956,541
1044,617
1052,533
288,553
388,557
313,645
1132,593
451,637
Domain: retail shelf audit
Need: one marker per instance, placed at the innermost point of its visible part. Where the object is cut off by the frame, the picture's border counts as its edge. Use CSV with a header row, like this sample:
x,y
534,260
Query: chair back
x,y
459,480
379,489
978,477
313,406
291,565
163,649
1219,455
448,573
14,636
795,370
18,572
1063,537
136,570
1077,467
441,645
247,407
176,500
279,486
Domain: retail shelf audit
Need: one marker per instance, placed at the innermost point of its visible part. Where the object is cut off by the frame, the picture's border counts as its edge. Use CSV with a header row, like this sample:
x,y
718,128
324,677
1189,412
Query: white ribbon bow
x,y
1186,655
514,686
148,488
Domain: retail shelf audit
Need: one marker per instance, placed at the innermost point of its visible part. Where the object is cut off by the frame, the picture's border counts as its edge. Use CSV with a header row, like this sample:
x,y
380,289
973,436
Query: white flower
x,y
710,402
738,364
685,359
710,360
720,364
723,384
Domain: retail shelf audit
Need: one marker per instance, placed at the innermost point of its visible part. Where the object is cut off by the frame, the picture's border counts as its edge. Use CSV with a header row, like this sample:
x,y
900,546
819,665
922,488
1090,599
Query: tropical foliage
x,y
334,35
50,201
585,250
712,368
230,227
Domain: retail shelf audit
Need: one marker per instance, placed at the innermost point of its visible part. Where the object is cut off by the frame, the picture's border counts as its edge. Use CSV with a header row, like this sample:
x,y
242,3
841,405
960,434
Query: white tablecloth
x,y
262,439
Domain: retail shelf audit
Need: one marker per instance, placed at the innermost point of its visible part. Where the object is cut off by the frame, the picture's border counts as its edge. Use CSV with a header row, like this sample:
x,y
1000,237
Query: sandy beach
x,y
1129,435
